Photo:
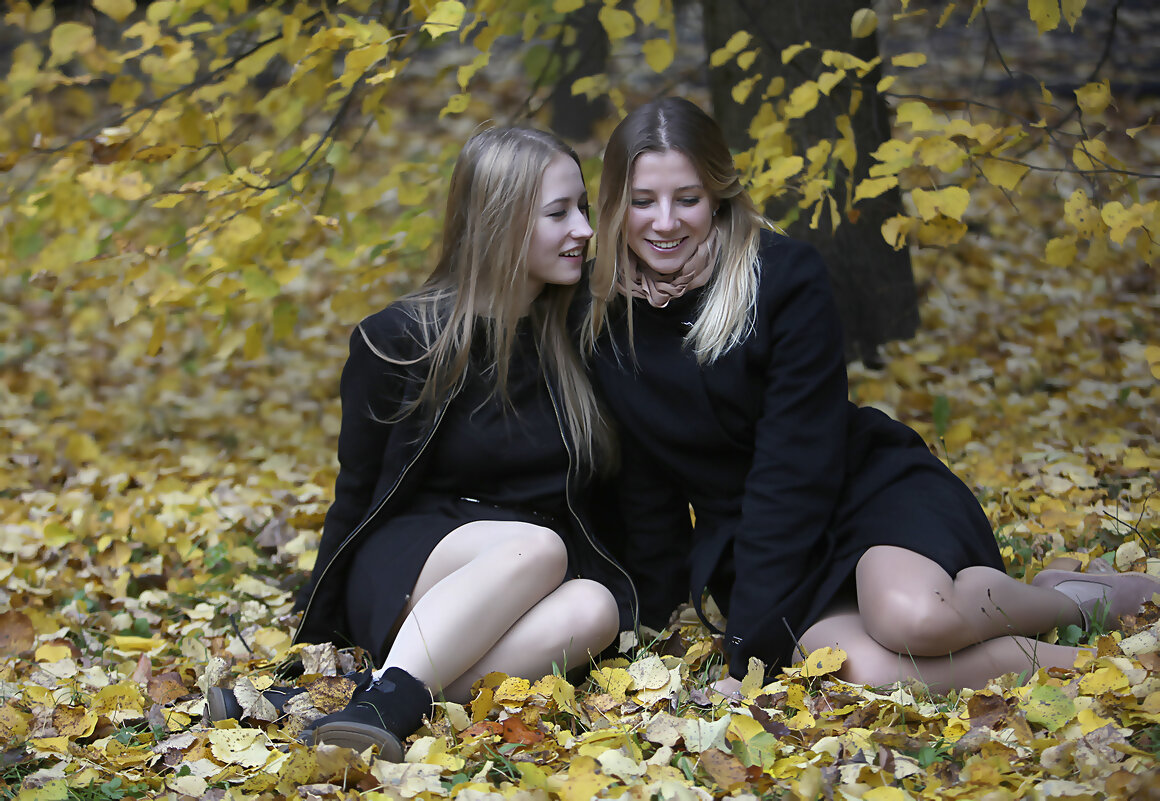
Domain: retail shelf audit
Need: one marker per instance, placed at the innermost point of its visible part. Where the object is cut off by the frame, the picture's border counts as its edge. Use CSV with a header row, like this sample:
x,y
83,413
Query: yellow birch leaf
x,y
951,202
1048,706
1071,11
802,100
746,59
886,793
823,661
735,45
1121,220
885,84
941,232
69,39
446,17
617,24
167,201
614,681
863,23
873,187
456,104
465,73
648,11
917,115
567,6
129,643
74,722
958,435
1045,93
895,229
157,338
1132,132
1044,13
776,87
909,60
513,691
117,9
658,54
1094,97
1005,174
52,652
245,747
741,91
827,81
1083,216
1103,680
788,53
1060,251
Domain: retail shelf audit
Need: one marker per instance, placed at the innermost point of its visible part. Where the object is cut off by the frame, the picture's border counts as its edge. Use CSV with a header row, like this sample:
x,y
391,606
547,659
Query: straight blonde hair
x,y
727,310
480,282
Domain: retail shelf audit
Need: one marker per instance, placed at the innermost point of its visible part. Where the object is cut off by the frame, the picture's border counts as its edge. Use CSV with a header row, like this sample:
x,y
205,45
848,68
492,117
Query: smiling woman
x,y
463,535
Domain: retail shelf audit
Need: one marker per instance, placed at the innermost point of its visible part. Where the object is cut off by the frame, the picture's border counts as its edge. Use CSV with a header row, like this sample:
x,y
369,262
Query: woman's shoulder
x,y
788,265
401,329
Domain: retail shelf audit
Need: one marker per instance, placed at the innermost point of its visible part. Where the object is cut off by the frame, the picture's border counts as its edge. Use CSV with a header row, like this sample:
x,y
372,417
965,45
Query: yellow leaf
x,y
1005,174
1060,251
1132,132
873,187
614,681
1103,680
886,793
1083,216
51,652
69,39
823,661
885,84
1048,706
802,100
735,45
245,747
127,642
916,114
1044,13
617,24
746,59
513,691
958,435
828,80
117,9
951,202
895,229
788,53
1071,11
909,60
658,54
1094,97
863,23
741,91
465,73
456,104
446,17
567,6
648,11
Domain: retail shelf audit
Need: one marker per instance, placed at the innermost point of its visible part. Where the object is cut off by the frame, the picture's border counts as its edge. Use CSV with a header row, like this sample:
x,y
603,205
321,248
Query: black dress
x,y
490,459
790,482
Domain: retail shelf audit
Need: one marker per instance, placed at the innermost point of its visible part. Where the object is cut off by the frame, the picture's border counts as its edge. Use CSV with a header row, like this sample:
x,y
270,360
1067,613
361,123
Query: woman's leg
x,y
910,605
566,629
492,596
869,662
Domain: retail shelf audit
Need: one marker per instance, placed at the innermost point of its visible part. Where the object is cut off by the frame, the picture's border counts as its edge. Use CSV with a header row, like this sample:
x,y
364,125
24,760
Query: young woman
x,y
717,346
460,540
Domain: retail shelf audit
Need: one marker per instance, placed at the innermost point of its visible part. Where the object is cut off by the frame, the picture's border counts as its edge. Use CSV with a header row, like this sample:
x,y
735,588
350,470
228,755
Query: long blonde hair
x,y
480,284
726,312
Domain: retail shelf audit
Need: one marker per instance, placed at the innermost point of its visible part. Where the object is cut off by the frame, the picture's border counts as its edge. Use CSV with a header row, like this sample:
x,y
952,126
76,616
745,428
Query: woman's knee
x,y
916,622
534,553
593,616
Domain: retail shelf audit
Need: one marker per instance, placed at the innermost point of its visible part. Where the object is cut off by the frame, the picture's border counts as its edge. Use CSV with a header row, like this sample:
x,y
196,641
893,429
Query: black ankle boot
x,y
383,713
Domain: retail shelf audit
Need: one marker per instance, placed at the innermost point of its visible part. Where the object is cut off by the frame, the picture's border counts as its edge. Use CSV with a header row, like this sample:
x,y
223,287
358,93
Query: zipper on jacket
x,y
580,523
378,507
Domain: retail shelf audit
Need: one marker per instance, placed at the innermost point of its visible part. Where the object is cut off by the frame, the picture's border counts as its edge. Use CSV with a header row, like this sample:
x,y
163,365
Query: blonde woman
x,y
717,347
461,538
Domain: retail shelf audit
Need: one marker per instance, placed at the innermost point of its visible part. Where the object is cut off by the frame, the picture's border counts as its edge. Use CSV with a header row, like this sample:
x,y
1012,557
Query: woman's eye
x,y
558,214
641,203
689,201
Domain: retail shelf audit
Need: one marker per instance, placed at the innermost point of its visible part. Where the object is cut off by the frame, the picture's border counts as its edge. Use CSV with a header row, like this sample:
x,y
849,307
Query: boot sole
x,y
360,736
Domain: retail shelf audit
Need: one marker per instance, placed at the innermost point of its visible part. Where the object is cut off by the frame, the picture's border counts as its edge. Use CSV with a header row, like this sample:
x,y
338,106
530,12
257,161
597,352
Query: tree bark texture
x,y
873,283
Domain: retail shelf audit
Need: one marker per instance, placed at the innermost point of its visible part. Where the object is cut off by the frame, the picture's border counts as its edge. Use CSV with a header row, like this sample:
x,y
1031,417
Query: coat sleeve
x,y
658,534
794,482
370,390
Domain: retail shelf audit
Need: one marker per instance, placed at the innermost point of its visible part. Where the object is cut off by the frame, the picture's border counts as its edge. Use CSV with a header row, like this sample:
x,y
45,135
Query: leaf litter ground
x,y
156,514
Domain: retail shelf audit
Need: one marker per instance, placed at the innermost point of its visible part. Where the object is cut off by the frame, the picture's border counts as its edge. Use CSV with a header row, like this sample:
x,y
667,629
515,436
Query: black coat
x,y
789,481
383,463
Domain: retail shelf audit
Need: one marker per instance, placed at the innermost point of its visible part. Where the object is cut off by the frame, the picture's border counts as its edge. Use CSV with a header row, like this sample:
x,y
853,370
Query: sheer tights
x,y
492,596
914,621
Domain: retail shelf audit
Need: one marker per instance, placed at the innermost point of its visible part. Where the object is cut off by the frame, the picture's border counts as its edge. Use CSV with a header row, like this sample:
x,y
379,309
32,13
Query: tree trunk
x,y
574,116
873,283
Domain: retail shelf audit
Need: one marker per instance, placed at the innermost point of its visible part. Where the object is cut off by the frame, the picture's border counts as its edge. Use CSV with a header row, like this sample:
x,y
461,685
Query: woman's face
x,y
670,211
560,229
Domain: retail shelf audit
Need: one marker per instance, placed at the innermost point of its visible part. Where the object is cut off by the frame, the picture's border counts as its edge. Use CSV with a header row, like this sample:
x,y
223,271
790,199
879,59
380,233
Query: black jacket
x,y
763,444
382,464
